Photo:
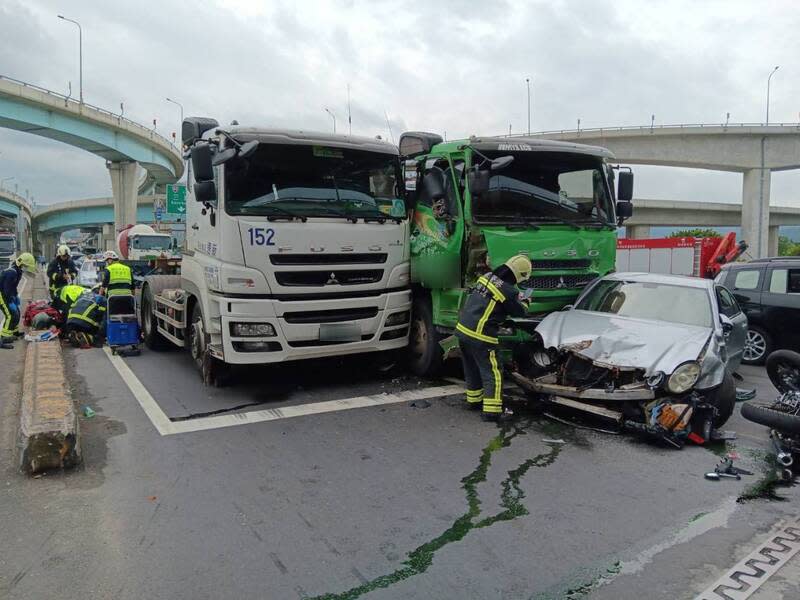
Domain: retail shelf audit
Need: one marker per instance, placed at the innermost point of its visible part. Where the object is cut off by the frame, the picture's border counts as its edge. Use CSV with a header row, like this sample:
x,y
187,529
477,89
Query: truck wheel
x,y
152,338
757,346
197,336
424,352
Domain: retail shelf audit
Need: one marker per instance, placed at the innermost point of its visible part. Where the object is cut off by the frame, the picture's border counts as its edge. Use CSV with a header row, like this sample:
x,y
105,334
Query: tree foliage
x,y
787,247
697,232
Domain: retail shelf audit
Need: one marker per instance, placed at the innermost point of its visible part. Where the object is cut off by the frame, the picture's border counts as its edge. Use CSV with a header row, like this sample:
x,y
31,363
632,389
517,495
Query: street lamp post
x,y
80,53
528,84
768,81
333,116
179,106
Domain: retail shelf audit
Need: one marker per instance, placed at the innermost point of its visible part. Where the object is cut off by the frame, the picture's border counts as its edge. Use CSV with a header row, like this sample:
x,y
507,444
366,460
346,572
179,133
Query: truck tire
x,y
196,336
775,419
757,346
723,398
152,338
425,355
783,368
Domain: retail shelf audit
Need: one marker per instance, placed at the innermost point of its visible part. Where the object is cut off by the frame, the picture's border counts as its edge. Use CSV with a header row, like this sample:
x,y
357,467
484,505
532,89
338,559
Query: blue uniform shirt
x,y
9,279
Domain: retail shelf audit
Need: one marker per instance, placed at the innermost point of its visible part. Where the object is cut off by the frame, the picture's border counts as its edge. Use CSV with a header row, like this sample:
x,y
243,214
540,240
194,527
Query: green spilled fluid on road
x,y
511,496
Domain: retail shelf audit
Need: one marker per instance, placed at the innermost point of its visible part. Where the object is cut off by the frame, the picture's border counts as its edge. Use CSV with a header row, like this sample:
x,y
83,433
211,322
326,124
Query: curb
x,y
49,434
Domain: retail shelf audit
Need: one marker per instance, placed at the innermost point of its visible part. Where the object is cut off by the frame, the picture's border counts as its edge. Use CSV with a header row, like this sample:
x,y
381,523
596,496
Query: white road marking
x,y
301,410
150,407
753,570
166,427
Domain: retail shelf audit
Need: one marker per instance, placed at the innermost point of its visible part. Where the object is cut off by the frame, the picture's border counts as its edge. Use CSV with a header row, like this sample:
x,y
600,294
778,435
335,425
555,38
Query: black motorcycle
x,y
783,415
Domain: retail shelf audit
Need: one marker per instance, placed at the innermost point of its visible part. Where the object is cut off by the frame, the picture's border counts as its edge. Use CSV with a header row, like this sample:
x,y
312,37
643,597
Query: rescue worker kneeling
x,y
494,298
67,296
86,322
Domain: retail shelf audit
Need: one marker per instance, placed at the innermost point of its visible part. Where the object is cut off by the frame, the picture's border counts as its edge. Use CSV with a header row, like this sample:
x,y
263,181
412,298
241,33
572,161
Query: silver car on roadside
x,y
638,337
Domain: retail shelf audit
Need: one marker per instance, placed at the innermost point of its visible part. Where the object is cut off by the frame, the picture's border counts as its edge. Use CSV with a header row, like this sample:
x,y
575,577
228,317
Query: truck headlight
x,y
683,378
252,330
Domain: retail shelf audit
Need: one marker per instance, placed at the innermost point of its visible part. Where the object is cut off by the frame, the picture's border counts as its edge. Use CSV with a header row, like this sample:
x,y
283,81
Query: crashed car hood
x,y
615,341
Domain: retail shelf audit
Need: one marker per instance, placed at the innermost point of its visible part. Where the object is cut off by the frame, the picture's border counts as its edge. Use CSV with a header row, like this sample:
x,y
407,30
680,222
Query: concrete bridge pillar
x,y
49,245
773,240
124,187
108,238
637,232
755,212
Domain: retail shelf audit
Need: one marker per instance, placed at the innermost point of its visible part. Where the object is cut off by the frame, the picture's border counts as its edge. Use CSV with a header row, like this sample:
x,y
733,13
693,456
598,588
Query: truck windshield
x,y
7,246
547,186
653,301
151,242
309,181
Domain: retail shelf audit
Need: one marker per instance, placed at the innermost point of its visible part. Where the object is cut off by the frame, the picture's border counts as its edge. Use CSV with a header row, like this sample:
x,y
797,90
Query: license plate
x,y
340,332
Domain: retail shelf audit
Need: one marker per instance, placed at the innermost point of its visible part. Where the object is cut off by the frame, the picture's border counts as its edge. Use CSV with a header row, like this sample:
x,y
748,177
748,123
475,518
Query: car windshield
x,y
546,186
653,301
151,242
286,180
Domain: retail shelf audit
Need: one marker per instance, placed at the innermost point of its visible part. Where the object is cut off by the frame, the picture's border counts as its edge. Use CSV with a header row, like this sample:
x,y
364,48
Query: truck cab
x,y
297,246
477,202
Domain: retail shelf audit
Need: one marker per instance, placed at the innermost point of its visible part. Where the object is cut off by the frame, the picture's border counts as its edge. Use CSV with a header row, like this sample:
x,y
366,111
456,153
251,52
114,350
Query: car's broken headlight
x,y
683,378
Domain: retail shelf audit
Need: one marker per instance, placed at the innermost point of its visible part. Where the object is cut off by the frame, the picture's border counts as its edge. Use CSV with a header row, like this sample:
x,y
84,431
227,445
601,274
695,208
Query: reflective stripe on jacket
x,y
486,307
87,311
118,279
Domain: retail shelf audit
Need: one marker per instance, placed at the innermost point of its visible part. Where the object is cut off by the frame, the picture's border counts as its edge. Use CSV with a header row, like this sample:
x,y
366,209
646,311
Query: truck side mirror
x,y
624,211
201,162
205,191
625,186
433,184
478,182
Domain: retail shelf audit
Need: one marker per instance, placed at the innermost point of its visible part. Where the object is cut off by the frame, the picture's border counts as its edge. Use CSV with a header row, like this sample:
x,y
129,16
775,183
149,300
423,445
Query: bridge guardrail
x,y
68,100
651,128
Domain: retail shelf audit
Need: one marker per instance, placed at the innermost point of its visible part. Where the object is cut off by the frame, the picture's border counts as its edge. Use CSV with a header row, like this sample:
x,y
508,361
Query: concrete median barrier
x,y
49,435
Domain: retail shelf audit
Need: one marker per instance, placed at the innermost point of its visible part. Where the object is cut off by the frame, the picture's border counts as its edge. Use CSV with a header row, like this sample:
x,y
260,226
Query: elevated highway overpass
x,y
753,149
123,144
16,212
90,214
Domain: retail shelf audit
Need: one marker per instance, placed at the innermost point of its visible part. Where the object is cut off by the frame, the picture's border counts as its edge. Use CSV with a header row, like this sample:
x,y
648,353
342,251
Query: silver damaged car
x,y
649,351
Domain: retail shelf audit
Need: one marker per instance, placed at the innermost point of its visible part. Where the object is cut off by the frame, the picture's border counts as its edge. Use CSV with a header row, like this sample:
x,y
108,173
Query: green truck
x,y
479,201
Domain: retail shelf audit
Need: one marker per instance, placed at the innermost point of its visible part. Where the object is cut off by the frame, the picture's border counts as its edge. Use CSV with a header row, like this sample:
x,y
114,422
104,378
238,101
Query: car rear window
x,y
784,281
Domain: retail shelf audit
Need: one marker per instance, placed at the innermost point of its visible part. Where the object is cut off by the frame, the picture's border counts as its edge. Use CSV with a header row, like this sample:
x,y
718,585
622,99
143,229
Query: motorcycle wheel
x,y
767,415
783,368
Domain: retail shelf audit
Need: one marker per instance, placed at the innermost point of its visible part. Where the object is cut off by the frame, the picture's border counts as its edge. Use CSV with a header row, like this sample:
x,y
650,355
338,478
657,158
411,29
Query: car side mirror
x,y
205,191
727,324
201,162
433,184
624,211
478,182
625,186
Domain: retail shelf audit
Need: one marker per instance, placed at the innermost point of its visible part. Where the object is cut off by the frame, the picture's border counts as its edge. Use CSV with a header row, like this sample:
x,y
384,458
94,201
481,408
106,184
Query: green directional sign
x,y
176,199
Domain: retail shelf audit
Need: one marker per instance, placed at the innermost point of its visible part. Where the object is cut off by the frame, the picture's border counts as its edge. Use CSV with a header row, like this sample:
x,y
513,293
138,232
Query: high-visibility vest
x,y
86,310
120,280
70,293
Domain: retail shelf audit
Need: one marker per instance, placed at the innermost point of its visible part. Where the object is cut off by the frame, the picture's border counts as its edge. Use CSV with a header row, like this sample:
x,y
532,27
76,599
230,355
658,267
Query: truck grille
x,y
330,316
374,258
560,264
328,278
311,343
558,282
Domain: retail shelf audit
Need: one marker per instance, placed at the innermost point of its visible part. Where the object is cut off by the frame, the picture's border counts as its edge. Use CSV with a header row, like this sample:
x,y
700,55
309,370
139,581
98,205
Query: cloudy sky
x,y
455,67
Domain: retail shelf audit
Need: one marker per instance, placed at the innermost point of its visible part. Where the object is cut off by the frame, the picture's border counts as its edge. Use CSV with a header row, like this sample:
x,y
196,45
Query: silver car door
x,y
735,339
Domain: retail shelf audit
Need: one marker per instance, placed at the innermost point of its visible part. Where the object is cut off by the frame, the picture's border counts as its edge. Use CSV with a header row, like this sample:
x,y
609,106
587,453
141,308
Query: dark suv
x,y
768,290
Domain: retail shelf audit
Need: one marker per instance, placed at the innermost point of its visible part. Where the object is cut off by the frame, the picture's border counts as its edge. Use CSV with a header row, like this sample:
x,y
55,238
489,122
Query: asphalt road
x,y
398,500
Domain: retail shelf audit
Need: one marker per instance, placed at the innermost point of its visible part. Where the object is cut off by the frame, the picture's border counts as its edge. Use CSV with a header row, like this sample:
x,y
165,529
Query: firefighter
x,y
86,320
117,279
9,296
61,271
494,298
67,296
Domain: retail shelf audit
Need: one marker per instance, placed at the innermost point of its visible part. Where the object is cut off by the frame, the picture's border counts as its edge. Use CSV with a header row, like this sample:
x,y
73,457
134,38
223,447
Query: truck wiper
x,y
286,213
380,217
347,215
573,224
522,223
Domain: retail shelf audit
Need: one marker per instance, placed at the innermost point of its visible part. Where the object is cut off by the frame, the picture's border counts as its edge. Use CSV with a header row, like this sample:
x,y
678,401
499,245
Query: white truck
x,y
297,247
142,242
